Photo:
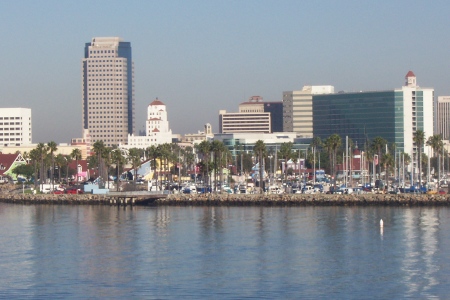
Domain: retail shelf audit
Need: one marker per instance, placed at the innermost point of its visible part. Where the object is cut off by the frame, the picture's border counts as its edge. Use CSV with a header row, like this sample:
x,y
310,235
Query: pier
x,y
133,198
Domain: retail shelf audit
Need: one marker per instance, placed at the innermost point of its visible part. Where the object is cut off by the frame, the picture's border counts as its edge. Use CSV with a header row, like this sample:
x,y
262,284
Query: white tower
x,y
410,79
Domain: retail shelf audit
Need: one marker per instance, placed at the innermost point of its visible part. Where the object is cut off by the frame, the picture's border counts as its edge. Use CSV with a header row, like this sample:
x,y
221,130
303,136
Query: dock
x,y
134,198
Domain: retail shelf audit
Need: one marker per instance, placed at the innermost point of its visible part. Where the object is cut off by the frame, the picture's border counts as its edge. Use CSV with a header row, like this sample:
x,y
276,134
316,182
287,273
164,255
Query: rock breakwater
x,y
242,200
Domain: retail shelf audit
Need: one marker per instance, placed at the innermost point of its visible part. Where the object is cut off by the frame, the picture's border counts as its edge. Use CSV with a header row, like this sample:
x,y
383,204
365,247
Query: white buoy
x,y
381,223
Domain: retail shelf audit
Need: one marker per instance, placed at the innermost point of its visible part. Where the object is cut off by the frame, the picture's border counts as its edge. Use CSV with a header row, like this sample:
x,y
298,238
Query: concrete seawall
x,y
243,200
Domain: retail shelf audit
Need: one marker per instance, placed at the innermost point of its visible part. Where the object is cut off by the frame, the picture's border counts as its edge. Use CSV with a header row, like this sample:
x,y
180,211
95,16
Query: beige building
x,y
297,109
442,117
251,118
108,90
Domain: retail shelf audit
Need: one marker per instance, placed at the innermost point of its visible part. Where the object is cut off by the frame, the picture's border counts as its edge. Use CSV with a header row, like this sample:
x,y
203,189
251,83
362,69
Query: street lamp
x,y
270,170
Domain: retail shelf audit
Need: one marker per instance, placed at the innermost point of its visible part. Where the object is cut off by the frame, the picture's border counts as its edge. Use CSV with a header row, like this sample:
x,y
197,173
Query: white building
x,y
15,126
156,128
297,109
418,106
108,90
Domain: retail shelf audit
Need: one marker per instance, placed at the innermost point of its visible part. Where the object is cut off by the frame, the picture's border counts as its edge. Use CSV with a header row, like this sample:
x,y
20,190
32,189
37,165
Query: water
x,y
224,252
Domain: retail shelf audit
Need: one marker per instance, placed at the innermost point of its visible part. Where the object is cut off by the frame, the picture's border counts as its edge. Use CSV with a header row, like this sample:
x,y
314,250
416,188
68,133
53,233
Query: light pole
x,y
270,170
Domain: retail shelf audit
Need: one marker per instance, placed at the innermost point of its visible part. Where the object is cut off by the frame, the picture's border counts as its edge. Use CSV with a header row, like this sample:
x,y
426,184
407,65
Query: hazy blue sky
x,y
201,56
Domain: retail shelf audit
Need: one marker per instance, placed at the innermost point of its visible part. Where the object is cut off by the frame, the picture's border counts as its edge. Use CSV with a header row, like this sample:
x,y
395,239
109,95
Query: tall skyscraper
x,y
108,90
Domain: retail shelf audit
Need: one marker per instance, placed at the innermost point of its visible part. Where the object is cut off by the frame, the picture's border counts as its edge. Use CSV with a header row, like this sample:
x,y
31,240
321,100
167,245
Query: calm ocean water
x,y
224,252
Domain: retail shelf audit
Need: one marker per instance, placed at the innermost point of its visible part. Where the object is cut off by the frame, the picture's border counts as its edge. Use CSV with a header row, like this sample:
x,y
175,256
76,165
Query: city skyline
x,y
200,57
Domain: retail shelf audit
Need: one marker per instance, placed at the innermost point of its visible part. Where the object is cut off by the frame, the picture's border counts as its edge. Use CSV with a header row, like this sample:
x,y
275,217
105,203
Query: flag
x,y
375,159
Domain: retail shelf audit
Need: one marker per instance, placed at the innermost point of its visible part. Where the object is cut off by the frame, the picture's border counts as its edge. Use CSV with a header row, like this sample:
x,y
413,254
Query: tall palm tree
x,y
260,151
52,147
387,160
378,144
119,160
76,154
99,148
204,149
153,153
333,143
35,159
419,140
60,162
134,157
436,143
41,151
217,148
286,154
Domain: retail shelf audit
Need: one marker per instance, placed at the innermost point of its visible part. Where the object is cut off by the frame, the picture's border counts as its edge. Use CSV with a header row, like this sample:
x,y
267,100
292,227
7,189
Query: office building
x,y
254,116
15,126
442,119
108,90
393,115
297,109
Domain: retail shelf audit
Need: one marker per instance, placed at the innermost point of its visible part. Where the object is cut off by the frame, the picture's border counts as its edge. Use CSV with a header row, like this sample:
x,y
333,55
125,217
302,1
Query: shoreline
x,y
238,200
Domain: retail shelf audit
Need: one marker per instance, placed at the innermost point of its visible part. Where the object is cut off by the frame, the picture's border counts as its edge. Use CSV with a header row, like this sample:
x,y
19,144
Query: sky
x,y
199,57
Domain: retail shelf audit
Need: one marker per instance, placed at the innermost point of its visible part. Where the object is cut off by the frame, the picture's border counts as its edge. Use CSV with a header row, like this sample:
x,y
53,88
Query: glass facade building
x,y
393,115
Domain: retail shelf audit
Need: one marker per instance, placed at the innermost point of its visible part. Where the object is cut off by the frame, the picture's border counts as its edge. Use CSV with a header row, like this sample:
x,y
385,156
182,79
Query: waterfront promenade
x,y
235,199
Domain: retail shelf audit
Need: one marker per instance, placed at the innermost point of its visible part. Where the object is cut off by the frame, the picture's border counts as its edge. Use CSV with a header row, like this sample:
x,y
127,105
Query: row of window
x,y
12,139
96,94
103,73
106,112
101,51
104,89
10,118
12,123
10,128
100,103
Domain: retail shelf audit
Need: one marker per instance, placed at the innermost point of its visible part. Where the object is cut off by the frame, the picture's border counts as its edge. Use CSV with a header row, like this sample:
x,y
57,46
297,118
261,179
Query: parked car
x,y
57,192
74,191
442,192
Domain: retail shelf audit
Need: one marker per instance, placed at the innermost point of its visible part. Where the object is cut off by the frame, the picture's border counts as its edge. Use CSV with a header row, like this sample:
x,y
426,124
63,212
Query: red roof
x,y
156,102
81,162
410,74
6,161
155,130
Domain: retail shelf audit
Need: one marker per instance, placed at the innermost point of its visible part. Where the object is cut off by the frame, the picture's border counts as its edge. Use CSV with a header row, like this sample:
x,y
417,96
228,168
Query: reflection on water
x,y
228,252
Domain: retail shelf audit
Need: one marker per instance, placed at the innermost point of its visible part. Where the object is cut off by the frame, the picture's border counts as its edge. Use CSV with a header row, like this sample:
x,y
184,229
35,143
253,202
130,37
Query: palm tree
x,y
60,162
217,148
204,149
41,152
378,144
119,159
134,157
333,143
436,143
260,152
76,154
154,153
165,152
99,148
387,160
286,153
35,159
419,139
52,147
